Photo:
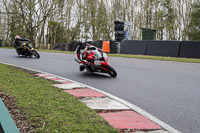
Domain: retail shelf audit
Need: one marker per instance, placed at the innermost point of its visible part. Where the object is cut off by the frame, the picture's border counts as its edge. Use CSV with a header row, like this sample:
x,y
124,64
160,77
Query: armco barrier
x,y
190,49
6,122
112,47
133,47
72,46
98,44
61,47
163,48
75,45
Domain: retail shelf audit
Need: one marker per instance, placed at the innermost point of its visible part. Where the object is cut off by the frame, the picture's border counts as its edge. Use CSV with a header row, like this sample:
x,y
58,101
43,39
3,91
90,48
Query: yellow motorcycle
x,y
28,50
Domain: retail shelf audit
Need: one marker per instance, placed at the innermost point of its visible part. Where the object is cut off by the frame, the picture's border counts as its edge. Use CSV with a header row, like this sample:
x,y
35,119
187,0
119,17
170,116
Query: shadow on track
x,y
95,75
25,57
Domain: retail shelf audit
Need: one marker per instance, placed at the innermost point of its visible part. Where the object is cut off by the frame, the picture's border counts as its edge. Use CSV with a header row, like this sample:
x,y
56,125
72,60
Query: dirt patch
x,y
19,118
24,70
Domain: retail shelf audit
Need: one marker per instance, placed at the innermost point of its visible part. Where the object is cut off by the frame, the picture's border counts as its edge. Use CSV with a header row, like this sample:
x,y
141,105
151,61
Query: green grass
x,y
187,60
8,47
50,109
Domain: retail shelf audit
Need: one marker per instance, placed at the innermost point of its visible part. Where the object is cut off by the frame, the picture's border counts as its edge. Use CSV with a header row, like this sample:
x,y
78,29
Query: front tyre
x,y
35,53
111,71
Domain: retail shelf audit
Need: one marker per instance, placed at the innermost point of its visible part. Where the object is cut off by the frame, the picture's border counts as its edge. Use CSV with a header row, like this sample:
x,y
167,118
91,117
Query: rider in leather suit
x,y
18,44
85,55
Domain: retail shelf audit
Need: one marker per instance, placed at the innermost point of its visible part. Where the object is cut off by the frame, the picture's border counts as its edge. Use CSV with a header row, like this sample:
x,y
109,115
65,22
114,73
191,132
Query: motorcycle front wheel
x,y
111,71
36,54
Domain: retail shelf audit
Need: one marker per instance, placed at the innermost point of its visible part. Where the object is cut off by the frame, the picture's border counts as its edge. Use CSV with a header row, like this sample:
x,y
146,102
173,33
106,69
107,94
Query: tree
x,y
94,19
53,26
194,30
5,28
103,27
23,22
169,20
46,9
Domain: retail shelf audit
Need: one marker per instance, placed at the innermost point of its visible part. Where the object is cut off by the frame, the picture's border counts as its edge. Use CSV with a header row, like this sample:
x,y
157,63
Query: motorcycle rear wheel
x,y
111,71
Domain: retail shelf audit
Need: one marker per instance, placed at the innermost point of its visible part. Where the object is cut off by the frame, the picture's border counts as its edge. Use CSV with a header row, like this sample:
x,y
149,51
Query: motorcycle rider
x,y
85,55
18,44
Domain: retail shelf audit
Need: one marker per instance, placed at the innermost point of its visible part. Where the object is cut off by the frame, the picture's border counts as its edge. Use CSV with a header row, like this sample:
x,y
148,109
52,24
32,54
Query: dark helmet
x,y
82,45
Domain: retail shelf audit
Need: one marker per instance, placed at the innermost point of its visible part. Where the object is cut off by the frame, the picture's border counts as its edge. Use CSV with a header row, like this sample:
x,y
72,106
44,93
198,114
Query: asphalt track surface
x,y
169,91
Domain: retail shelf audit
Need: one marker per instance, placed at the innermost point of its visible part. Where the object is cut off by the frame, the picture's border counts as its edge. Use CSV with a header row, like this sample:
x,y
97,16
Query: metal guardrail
x,y
7,124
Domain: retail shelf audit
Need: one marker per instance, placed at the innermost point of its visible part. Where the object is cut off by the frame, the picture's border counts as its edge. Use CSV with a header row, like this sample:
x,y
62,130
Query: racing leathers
x,y
88,55
18,44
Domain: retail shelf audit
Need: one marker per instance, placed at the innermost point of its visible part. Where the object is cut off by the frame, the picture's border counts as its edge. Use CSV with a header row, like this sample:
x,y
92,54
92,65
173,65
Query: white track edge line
x,y
128,104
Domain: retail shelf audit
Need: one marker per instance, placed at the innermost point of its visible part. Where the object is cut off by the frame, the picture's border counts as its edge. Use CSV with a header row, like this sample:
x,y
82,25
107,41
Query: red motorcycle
x,y
98,62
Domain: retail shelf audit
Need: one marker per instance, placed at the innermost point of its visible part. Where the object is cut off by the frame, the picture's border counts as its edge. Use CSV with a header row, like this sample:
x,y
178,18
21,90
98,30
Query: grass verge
x,y
187,60
48,108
